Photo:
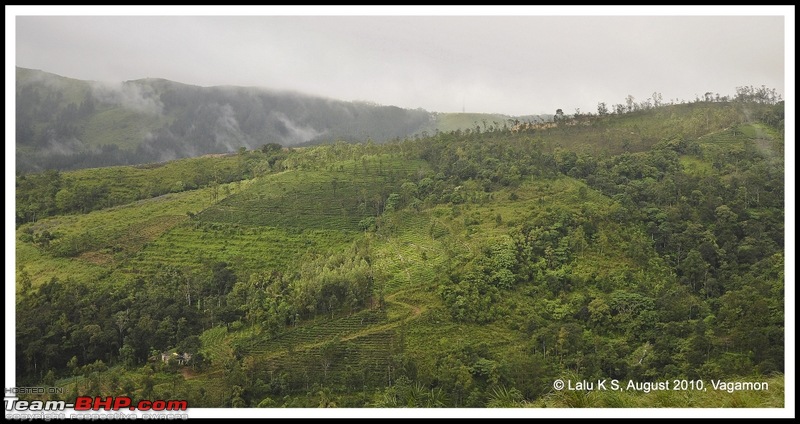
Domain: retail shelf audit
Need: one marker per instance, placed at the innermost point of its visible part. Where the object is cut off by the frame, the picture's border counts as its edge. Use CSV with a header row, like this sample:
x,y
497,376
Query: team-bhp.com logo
x,y
87,403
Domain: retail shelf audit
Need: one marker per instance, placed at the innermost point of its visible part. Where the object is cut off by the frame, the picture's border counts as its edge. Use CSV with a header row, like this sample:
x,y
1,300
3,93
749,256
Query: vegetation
x,y
63,123
463,268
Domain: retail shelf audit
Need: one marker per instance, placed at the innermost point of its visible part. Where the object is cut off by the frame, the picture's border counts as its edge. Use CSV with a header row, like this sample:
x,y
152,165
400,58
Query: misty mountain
x,y
65,123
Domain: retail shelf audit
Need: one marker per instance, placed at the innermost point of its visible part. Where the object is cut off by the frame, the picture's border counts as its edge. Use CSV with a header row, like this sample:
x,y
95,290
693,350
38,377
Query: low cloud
x,y
227,132
292,133
129,95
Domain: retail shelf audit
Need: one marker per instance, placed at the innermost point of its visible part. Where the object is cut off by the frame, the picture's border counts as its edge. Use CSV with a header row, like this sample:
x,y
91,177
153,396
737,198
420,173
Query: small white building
x,y
182,359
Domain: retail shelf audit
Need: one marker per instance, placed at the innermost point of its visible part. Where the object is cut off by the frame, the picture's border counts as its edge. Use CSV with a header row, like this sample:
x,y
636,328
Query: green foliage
x,y
49,193
83,246
329,200
464,269
67,124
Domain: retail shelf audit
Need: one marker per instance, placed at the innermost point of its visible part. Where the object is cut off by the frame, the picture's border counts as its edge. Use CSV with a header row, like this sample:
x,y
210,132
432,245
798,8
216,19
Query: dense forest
x,y
63,123
464,268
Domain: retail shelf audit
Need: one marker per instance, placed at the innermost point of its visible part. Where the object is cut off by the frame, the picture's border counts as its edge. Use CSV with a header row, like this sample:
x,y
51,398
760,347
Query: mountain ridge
x,y
65,123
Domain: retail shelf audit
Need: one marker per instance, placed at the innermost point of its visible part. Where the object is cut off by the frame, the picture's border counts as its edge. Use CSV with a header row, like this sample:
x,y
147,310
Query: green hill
x,y
64,123
461,268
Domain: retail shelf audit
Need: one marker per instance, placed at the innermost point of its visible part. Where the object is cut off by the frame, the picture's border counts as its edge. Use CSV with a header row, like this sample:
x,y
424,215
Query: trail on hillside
x,y
416,311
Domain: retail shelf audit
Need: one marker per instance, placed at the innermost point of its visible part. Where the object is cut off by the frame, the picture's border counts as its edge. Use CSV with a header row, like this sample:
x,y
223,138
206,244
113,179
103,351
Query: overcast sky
x,y
505,64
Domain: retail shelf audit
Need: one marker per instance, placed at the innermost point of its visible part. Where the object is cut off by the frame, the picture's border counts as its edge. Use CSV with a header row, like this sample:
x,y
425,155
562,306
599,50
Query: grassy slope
x,y
105,238
73,90
124,128
129,183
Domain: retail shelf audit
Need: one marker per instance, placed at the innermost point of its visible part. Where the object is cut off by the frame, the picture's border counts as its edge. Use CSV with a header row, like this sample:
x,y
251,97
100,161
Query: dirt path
x,y
416,311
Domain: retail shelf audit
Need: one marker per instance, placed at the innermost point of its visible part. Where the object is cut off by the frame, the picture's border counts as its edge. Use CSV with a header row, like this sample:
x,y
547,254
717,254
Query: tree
x,y
271,148
392,202
657,99
66,200
127,355
409,191
222,278
694,270
24,279
630,102
501,397
602,109
328,354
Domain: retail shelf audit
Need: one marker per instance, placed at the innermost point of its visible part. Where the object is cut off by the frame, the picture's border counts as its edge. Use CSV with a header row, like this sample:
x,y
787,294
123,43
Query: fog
x,y
130,96
511,64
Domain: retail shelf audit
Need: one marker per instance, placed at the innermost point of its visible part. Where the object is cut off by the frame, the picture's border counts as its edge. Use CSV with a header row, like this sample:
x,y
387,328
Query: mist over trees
x,y
64,123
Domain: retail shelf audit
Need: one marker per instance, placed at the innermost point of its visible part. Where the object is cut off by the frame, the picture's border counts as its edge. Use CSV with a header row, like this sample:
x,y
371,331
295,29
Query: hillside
x,y
64,123
462,268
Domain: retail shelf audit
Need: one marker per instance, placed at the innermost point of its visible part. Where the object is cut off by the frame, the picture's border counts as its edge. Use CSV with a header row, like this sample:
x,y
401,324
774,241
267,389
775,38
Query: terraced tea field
x,y
336,199
103,238
247,249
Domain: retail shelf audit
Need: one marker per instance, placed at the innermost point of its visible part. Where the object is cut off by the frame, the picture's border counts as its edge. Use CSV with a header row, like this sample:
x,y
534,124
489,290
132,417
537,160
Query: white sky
x,y
518,62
